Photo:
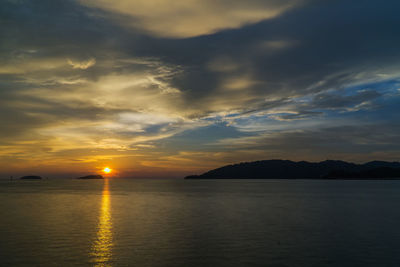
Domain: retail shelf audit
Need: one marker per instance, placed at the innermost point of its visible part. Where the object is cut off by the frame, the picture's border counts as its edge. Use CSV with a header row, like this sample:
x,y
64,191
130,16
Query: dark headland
x,y
286,169
89,177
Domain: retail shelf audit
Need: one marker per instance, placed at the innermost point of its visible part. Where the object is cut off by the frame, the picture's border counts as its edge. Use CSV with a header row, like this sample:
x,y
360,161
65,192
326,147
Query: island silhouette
x,y
286,169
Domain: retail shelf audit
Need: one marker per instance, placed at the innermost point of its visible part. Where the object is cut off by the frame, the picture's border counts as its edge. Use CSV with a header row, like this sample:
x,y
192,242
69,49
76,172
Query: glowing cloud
x,y
83,65
191,17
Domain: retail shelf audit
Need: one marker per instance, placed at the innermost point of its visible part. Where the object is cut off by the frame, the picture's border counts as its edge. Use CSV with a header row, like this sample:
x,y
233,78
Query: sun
x,y
107,170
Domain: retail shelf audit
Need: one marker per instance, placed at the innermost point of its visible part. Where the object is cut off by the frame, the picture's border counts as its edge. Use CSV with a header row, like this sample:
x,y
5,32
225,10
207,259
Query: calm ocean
x,y
199,223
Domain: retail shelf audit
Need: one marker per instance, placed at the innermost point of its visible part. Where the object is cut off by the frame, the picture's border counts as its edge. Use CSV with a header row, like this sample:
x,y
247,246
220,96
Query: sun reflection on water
x,y
102,246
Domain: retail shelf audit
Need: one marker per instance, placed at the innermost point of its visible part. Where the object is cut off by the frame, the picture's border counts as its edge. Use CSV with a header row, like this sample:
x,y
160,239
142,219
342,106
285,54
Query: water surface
x,y
199,223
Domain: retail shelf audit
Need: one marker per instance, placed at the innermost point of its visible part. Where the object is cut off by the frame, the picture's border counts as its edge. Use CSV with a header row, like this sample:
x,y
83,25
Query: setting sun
x,y
107,170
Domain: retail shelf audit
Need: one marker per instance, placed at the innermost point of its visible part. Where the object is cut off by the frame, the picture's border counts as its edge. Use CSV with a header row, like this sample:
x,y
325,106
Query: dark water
x,y
199,223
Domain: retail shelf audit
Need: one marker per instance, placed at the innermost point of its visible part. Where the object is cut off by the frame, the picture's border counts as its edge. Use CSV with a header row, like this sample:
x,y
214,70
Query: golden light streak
x,y
102,246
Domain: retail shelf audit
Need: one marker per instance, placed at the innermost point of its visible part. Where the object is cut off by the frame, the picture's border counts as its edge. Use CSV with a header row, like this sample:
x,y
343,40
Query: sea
x,y
176,222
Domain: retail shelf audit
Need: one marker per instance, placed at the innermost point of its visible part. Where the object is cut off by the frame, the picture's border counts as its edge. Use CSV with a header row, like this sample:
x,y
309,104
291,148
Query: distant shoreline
x,y
314,179
286,169
321,179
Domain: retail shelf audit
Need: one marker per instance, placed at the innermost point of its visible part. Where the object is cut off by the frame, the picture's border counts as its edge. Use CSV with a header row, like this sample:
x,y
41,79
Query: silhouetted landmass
x,y
286,169
31,177
91,177
376,173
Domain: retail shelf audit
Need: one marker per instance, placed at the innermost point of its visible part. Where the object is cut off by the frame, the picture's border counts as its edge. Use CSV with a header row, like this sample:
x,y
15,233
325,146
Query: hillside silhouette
x,y
286,169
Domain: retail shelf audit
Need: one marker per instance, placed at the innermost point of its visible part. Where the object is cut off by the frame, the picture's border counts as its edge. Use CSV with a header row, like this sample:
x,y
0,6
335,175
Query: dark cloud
x,y
328,47
360,143
332,101
323,103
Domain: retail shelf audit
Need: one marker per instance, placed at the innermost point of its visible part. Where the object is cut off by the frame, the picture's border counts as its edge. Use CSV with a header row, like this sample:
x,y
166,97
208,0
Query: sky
x,y
158,88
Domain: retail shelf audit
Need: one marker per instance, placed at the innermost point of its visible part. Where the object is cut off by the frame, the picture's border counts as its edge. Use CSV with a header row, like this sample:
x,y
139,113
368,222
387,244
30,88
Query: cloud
x,y
190,18
26,65
83,65
121,109
335,100
223,64
275,45
356,143
322,103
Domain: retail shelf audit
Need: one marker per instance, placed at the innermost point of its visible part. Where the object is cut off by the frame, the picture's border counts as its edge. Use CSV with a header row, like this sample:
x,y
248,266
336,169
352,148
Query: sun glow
x,y
107,170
